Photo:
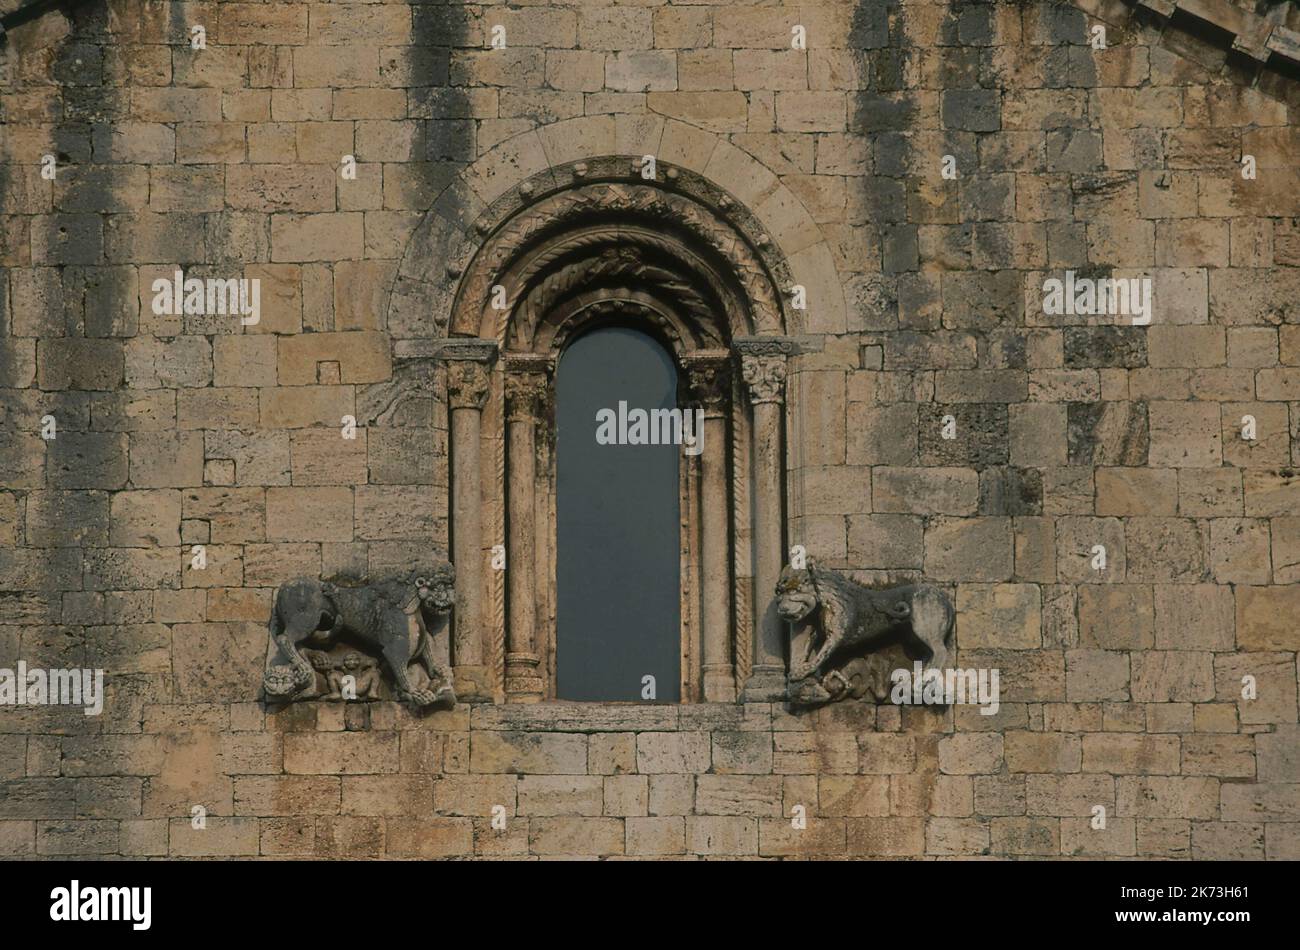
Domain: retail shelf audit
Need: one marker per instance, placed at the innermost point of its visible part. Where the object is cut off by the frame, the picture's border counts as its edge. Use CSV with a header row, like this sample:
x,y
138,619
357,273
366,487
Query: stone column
x,y
763,363
709,386
468,382
526,387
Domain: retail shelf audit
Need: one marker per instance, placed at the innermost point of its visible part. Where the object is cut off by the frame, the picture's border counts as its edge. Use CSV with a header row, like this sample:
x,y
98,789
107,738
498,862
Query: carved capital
x,y
525,396
765,377
467,384
468,371
763,365
528,380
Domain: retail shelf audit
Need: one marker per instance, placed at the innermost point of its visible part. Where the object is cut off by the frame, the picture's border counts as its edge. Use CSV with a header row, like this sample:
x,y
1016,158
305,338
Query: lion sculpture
x,y
390,616
847,621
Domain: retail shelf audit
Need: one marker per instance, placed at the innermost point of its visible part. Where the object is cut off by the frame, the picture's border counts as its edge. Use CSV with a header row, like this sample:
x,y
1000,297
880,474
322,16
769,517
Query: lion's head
x,y
436,588
796,594
280,682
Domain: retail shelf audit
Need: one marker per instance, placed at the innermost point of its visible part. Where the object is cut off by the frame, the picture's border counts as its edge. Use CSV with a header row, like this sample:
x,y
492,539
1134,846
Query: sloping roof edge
x,y
1268,42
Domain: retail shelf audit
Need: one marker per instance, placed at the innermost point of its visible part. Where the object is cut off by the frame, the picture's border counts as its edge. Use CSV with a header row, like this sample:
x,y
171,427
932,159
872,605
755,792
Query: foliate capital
x,y
467,384
765,377
763,365
527,385
468,371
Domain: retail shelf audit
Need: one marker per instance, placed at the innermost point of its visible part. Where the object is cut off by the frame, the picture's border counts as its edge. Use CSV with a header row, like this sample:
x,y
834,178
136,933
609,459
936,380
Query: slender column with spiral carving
x,y
526,387
763,363
709,380
468,382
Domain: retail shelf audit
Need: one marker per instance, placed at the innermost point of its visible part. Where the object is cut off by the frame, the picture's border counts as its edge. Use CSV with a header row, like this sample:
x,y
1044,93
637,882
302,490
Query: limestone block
x,y
286,795
1174,676
430,837
978,549
885,837
993,616
648,837
1096,675
550,795
1194,617
952,491
970,754
340,753
716,835
532,753
1262,618
573,836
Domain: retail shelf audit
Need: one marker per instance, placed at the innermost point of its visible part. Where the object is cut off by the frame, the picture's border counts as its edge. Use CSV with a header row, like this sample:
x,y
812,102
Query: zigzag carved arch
x,y
680,228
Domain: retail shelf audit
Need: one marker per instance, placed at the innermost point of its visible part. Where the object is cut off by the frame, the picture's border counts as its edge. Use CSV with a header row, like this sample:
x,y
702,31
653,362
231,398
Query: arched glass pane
x,y
617,525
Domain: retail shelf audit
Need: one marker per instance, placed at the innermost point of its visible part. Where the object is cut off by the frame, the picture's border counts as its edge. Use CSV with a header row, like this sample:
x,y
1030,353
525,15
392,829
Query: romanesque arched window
x,y
684,266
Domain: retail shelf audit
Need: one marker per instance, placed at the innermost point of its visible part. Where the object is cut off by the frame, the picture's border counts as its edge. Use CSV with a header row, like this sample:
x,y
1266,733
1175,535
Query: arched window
x,y
578,573
619,429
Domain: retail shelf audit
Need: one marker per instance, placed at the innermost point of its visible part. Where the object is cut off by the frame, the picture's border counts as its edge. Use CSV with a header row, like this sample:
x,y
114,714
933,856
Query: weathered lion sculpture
x,y
390,616
846,621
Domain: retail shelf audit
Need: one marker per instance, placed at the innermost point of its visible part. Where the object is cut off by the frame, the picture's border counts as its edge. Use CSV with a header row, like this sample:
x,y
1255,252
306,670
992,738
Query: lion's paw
x,y
420,697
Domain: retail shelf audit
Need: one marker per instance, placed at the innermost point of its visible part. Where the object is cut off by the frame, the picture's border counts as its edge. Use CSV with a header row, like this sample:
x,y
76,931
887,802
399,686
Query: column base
x,y
719,685
766,684
474,684
523,682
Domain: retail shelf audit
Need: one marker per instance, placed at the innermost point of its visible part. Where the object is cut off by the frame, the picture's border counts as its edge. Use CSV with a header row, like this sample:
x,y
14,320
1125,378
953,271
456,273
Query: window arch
x,y
600,254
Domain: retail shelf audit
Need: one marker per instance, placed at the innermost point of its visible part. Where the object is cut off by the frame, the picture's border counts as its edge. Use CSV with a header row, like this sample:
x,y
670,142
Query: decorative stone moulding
x,y
355,639
767,346
466,348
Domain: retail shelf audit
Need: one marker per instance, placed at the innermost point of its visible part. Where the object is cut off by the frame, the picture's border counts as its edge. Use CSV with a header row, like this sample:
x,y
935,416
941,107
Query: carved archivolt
x,y
564,212
615,254
568,319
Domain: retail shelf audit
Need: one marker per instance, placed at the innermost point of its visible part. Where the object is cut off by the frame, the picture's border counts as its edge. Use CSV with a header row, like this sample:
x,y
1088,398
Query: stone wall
x,y
709,780
1122,687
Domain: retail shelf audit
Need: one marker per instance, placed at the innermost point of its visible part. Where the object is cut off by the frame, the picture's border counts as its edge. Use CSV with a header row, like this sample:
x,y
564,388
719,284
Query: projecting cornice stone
x,y
1258,37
